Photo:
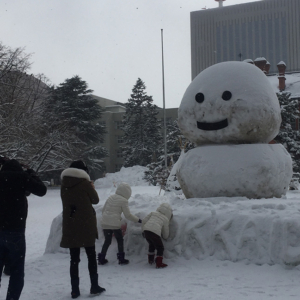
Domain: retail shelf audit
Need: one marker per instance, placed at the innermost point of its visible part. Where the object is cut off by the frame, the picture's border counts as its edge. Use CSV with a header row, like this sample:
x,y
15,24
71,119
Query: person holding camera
x,y
79,226
15,185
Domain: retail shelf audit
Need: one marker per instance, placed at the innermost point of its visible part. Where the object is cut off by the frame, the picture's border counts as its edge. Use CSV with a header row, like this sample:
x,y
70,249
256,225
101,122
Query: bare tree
x,y
21,100
36,127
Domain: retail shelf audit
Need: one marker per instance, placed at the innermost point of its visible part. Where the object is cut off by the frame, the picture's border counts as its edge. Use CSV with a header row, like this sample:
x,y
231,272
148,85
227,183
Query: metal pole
x,y
164,108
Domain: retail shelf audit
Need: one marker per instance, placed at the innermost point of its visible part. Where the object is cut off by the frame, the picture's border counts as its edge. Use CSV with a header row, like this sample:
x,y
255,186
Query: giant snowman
x,y
231,113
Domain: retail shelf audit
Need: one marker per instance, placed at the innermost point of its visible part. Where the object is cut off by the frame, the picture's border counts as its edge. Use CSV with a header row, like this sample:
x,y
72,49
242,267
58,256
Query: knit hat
x,y
79,164
12,165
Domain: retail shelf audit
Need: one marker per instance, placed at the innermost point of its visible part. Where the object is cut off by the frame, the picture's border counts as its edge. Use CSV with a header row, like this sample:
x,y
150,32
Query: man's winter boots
x,y
121,258
75,293
96,289
101,259
159,263
151,258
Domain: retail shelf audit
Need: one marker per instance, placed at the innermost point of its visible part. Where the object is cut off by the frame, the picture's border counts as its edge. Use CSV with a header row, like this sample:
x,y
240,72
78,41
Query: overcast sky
x,y
108,43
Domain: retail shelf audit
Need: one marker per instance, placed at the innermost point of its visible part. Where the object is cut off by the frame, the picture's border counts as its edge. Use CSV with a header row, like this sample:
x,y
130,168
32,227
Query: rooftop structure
x,y
220,2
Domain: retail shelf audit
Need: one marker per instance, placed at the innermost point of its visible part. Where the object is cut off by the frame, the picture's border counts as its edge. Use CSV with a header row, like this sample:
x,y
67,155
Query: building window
x,y
119,153
118,124
120,139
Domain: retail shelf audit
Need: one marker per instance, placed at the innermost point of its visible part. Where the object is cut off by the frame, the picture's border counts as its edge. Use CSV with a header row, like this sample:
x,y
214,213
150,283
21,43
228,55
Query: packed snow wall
x,y
265,231
256,232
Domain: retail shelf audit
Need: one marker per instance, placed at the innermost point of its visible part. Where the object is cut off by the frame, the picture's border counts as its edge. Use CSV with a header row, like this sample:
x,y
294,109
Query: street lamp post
x,y
164,108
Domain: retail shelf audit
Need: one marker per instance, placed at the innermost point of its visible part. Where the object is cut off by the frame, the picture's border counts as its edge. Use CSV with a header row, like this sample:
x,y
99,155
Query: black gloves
x,y
140,221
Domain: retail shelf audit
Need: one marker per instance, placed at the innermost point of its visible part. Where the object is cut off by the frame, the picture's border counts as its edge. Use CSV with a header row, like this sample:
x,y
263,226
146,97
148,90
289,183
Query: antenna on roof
x,y
220,2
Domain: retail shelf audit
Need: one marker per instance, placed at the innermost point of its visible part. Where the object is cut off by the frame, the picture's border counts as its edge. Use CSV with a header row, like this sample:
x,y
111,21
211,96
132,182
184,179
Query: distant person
x,y
79,227
15,184
155,225
113,208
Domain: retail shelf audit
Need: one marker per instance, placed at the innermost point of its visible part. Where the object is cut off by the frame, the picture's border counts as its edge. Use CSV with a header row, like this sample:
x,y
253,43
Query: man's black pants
x,y
13,248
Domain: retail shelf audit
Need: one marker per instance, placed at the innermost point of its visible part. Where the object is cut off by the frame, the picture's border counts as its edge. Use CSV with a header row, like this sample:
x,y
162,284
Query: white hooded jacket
x,y
158,221
114,206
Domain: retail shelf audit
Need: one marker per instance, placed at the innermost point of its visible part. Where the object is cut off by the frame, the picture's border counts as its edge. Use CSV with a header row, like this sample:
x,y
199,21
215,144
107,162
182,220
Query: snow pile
x,y
232,229
265,231
133,176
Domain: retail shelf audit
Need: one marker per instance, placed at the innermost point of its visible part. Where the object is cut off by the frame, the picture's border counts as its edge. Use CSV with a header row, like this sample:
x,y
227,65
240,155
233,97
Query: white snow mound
x,y
256,231
132,175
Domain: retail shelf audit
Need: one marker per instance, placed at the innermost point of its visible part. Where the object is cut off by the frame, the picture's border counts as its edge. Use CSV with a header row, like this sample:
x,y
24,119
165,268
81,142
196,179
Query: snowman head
x,y
230,102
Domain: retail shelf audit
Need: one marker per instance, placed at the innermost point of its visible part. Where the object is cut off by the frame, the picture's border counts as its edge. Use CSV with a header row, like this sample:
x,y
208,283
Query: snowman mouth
x,y
212,126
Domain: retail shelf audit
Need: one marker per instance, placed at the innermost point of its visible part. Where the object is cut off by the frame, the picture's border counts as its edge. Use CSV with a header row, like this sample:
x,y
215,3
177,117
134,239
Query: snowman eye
x,y
199,97
226,95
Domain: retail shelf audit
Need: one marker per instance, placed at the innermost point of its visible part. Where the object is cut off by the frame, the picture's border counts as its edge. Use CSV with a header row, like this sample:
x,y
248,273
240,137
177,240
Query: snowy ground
x,y
235,249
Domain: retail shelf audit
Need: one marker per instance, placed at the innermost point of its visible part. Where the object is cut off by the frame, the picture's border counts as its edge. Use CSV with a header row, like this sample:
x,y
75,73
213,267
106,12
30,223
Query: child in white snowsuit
x,y
112,210
155,225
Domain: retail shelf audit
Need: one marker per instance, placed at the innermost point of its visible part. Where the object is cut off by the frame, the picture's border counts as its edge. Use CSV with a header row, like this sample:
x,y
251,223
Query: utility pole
x,y
164,105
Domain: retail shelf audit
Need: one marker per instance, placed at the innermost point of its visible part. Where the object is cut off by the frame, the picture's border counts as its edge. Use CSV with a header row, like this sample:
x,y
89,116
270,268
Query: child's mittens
x,y
140,221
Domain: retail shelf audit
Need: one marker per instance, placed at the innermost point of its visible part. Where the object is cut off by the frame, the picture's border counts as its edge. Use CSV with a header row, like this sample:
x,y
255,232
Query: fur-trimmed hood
x,y
73,176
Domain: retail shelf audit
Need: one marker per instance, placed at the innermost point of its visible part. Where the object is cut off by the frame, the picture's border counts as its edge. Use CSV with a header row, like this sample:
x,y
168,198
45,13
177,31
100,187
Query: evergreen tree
x,y
142,131
72,101
72,119
287,135
157,174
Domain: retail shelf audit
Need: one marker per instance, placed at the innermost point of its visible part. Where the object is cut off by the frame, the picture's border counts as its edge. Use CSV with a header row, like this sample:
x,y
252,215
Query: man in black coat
x,y
15,184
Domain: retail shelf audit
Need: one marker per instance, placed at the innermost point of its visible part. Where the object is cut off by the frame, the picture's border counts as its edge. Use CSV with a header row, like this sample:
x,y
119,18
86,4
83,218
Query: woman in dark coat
x,y
79,228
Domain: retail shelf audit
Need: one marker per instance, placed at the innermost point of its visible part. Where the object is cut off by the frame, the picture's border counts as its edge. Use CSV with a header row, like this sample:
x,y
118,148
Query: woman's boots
x,y
151,258
159,263
101,259
75,293
121,258
96,289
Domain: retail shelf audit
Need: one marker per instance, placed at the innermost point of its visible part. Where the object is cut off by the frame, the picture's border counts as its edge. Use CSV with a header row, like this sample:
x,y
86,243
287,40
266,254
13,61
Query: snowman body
x,y
231,113
249,170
